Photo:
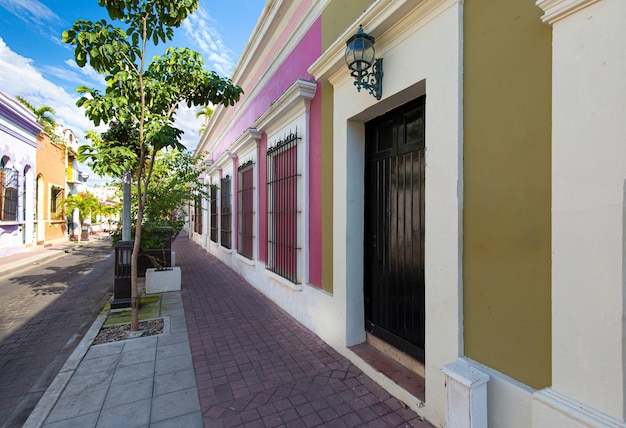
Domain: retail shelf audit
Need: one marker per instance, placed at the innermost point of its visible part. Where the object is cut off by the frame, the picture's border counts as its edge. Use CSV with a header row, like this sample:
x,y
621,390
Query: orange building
x,y
50,210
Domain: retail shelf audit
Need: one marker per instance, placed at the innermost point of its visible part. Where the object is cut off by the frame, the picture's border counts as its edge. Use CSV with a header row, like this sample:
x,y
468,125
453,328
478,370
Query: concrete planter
x,y
161,281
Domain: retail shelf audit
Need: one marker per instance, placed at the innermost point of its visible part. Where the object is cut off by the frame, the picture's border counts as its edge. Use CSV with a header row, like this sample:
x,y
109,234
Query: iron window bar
x,y
226,213
282,205
9,185
246,209
214,214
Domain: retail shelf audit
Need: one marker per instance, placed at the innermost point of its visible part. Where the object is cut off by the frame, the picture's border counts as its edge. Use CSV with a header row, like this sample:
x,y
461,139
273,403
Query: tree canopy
x,y
44,115
141,94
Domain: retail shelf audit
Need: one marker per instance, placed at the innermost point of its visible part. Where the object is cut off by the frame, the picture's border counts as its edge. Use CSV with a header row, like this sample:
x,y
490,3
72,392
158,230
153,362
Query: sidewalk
x,y
231,358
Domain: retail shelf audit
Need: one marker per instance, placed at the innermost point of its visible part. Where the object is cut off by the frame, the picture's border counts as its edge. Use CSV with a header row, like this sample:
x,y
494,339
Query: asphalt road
x,y
45,310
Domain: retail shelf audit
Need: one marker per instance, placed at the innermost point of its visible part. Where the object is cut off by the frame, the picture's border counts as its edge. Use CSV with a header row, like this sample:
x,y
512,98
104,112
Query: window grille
x,y
213,202
8,194
227,212
197,210
56,203
282,203
246,209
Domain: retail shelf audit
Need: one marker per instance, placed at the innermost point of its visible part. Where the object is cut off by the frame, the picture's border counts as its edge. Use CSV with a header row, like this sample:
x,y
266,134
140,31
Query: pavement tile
x,y
171,339
79,385
272,421
131,415
72,406
166,365
172,350
140,343
311,420
174,404
352,420
129,392
129,358
104,363
83,421
165,383
189,420
133,373
104,349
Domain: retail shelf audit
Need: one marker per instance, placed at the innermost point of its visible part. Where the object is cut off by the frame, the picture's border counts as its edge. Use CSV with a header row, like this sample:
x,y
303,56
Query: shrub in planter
x,y
156,245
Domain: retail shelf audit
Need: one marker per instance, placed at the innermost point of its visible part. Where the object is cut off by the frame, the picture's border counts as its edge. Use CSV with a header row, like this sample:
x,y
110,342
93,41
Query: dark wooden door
x,y
394,227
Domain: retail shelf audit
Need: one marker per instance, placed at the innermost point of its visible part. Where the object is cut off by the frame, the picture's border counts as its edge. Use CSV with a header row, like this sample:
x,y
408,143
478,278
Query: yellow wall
x,y
507,190
337,15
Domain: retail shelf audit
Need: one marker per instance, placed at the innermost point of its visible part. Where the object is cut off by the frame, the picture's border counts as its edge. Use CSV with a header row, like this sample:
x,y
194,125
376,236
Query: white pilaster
x,y
588,214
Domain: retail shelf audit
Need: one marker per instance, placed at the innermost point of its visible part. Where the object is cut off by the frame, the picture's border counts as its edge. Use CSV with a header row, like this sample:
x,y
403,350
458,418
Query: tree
x,y
113,152
207,112
86,204
144,94
44,115
175,183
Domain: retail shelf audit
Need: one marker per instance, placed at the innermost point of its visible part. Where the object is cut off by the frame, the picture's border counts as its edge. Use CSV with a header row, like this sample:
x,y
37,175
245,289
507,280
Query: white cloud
x,y
187,121
19,76
30,11
202,29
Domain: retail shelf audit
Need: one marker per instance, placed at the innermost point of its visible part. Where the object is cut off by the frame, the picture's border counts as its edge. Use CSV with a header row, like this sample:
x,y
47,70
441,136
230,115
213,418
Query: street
x,y
45,310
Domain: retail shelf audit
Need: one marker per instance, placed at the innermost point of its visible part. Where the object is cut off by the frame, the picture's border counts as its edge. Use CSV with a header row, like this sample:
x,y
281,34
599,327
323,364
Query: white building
x,y
18,148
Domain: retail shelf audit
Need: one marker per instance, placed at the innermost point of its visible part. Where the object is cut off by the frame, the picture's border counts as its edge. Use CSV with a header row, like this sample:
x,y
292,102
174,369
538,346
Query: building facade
x,y
75,180
50,209
18,148
471,218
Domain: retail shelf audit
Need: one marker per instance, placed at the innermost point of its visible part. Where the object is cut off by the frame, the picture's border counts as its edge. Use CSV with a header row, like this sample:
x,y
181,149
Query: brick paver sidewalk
x,y
257,366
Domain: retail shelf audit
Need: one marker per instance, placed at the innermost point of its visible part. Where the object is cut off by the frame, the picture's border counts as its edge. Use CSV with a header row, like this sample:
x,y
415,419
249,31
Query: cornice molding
x,y
301,91
19,115
378,20
247,141
555,10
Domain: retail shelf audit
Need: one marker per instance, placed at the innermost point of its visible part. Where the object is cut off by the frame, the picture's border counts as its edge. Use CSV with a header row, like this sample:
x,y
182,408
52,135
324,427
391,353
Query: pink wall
x,y
295,67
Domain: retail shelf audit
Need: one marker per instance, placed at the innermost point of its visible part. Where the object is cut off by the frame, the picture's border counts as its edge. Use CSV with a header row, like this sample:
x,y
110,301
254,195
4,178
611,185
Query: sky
x,y
36,65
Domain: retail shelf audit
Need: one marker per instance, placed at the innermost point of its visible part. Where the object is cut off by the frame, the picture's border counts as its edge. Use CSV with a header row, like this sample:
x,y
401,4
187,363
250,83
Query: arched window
x,y
9,186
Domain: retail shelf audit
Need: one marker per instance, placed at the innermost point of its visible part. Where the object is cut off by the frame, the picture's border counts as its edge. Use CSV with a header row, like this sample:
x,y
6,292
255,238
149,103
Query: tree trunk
x,y
134,286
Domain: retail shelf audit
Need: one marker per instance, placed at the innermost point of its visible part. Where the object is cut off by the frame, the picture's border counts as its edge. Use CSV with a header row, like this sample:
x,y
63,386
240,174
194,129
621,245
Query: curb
x,y
45,405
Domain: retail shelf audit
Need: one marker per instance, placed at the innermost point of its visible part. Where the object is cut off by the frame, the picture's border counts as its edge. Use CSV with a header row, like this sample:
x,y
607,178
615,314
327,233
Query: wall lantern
x,y
361,57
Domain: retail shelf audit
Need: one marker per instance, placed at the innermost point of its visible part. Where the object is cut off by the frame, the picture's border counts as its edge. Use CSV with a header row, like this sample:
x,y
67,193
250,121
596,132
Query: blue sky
x,y
36,65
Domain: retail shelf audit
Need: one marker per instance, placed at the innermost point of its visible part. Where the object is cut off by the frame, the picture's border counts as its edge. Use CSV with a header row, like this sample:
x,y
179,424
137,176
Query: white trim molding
x,y
555,10
561,410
